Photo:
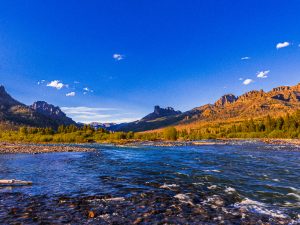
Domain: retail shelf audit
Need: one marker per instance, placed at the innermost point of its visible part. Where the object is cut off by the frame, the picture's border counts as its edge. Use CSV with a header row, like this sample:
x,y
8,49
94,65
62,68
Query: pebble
x,y
14,148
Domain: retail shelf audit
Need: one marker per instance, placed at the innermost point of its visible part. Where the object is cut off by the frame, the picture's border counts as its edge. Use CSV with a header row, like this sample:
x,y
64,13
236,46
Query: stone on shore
x,y
13,148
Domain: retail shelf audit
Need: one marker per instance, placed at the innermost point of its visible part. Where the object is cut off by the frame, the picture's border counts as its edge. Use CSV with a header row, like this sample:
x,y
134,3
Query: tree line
x,y
287,126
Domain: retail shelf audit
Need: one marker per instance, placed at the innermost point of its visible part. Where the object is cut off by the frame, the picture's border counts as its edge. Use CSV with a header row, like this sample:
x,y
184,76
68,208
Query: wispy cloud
x,y
41,82
85,110
282,45
71,94
118,56
87,90
56,84
241,78
90,114
245,58
124,120
262,74
248,81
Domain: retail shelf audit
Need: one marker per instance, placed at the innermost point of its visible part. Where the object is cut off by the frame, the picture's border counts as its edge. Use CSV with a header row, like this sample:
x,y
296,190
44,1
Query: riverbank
x,y
33,148
223,141
282,141
13,148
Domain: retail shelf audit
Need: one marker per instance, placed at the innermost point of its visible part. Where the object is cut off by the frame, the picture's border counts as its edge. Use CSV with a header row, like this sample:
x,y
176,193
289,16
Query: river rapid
x,y
237,183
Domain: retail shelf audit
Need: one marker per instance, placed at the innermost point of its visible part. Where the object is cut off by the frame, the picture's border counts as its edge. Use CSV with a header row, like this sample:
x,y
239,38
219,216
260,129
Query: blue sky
x,y
117,59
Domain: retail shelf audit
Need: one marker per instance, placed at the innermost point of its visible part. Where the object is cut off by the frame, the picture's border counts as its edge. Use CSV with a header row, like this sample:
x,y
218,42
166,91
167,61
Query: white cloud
x,y
245,58
76,82
56,84
71,94
241,78
263,74
282,45
85,110
118,57
248,81
86,89
89,114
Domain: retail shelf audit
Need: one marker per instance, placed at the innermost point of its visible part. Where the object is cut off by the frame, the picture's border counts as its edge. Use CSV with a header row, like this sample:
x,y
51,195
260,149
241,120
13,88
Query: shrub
x,y
170,133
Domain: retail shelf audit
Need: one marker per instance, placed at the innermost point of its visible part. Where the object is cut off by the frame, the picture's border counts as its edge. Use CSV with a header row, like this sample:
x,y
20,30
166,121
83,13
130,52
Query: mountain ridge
x,y
14,113
251,104
51,111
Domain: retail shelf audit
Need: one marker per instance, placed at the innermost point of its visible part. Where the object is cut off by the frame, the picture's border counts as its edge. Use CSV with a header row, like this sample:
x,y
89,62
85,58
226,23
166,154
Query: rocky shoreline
x,y
282,141
139,208
162,143
14,148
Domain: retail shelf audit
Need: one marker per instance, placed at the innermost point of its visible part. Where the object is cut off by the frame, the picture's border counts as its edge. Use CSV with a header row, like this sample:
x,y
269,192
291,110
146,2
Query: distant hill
x,y
253,104
41,114
97,125
158,118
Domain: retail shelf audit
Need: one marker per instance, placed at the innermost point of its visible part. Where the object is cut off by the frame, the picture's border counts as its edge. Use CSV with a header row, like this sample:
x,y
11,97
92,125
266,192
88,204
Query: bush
x,y
170,133
277,134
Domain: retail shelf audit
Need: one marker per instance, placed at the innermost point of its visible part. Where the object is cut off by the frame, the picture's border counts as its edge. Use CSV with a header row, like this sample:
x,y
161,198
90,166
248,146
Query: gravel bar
x,y
14,148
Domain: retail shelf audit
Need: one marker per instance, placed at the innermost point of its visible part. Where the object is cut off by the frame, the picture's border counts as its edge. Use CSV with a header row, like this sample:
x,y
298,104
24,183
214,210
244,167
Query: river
x,y
242,182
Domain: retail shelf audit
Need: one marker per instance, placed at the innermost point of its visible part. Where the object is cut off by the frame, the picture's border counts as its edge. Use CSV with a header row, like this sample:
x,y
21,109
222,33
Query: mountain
x,y
161,112
252,104
97,125
14,113
158,118
52,112
6,100
226,99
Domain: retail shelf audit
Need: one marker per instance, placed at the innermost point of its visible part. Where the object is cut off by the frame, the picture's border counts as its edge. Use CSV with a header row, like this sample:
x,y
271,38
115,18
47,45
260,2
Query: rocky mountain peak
x,y
286,93
41,114
6,99
281,88
51,111
161,112
3,93
250,95
297,86
226,99
2,89
45,108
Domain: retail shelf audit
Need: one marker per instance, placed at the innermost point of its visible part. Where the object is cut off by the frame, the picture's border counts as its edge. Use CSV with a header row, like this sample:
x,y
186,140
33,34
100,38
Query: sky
x,y
112,61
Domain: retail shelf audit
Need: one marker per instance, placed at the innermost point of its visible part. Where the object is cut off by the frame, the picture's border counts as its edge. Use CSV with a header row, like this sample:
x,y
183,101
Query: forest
x,y
287,126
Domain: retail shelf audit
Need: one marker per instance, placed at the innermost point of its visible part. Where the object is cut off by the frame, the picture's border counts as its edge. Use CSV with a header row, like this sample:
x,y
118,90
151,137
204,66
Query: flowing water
x,y
239,183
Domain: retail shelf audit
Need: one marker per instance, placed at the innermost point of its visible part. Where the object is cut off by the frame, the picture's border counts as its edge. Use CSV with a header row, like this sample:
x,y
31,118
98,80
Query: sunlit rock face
x,y
226,99
161,112
51,111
